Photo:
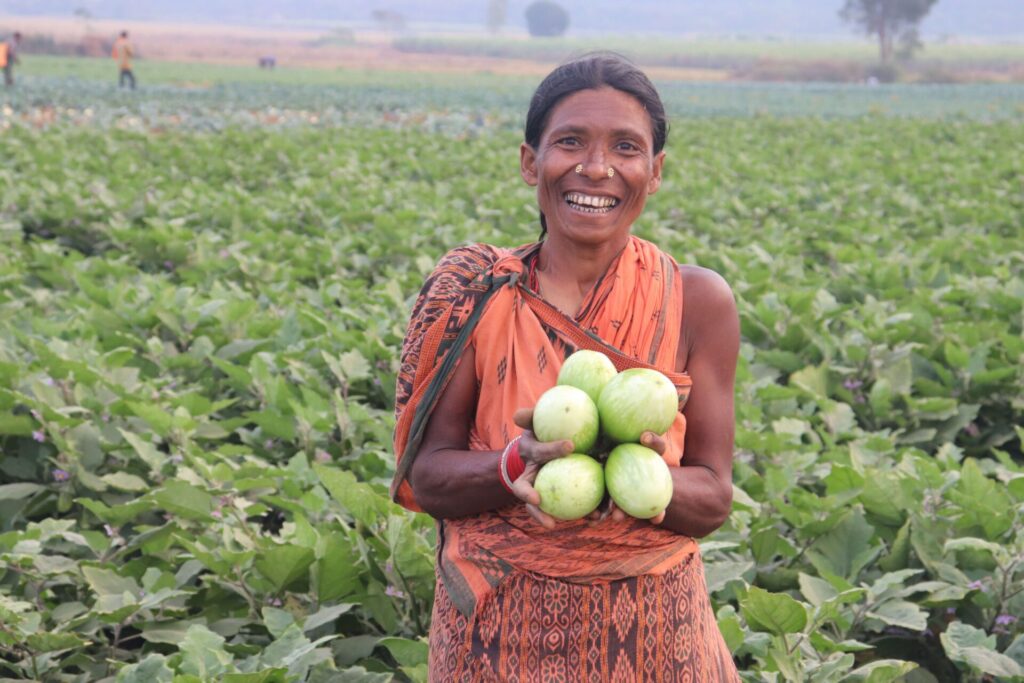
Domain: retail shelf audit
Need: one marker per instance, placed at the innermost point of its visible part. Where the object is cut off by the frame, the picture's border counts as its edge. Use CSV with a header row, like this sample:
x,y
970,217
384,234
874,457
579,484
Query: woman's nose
x,y
595,167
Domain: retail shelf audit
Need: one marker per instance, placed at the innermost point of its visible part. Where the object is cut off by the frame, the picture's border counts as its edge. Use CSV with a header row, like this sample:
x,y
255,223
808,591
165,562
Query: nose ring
x,y
579,170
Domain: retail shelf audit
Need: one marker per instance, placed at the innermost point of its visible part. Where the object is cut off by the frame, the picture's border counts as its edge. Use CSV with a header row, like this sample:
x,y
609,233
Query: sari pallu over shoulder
x,y
520,342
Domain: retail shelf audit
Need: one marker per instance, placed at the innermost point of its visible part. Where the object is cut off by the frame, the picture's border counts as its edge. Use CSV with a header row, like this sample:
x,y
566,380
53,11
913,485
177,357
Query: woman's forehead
x,y
600,107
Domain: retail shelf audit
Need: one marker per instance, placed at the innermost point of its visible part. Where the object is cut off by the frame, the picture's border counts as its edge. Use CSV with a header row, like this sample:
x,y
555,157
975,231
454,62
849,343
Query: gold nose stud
x,y
611,172
579,169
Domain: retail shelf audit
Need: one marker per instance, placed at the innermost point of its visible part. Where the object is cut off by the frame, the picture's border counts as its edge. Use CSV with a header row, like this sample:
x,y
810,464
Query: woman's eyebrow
x,y
575,129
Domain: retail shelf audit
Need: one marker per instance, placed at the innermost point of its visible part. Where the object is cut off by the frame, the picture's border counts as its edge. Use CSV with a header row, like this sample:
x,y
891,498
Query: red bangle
x,y
510,464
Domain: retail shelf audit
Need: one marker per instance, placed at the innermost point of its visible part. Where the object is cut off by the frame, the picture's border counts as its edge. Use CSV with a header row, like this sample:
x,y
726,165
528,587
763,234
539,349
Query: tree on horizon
x,y
890,21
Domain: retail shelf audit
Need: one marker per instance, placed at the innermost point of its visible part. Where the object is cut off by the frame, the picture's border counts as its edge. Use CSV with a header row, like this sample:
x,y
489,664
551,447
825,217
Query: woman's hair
x,y
590,72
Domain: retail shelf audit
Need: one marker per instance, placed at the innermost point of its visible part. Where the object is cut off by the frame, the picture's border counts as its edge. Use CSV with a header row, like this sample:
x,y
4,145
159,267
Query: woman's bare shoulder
x,y
710,318
705,288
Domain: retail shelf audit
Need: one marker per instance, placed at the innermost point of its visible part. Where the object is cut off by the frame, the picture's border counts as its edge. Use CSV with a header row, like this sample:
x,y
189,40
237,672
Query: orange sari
x,y
481,296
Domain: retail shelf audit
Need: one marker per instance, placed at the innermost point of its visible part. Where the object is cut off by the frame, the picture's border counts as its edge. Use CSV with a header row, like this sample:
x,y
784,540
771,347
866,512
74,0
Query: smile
x,y
589,203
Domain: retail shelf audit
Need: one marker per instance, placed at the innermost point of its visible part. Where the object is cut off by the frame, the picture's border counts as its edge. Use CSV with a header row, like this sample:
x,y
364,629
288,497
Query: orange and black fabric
x,y
482,297
537,629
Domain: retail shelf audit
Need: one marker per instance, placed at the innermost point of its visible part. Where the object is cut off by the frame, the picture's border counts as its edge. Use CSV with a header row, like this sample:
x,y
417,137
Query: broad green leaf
x,y
19,491
406,652
772,612
184,499
284,564
152,669
203,653
900,613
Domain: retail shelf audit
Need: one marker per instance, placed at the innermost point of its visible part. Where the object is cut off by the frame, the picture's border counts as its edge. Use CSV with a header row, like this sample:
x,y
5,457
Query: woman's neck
x,y
567,271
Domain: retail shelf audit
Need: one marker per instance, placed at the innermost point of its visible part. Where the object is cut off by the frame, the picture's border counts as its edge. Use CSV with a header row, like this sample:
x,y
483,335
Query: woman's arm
x,y
449,480
702,497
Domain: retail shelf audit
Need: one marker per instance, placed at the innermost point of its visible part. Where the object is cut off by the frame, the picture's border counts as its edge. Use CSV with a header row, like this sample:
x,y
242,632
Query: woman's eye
x,y
567,141
627,147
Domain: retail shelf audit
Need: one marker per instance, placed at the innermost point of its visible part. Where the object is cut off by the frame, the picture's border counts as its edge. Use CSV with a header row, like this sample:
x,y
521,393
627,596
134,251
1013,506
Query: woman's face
x,y
594,130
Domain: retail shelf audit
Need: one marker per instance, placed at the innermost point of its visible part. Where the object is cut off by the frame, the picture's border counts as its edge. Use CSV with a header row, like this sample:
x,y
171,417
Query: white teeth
x,y
586,201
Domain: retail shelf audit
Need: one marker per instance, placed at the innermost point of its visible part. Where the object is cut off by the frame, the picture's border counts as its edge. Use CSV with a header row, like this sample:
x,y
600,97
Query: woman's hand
x,y
535,454
656,444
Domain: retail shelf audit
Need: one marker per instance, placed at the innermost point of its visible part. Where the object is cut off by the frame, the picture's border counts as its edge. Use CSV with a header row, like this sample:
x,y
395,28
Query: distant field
x,y
747,59
667,49
205,96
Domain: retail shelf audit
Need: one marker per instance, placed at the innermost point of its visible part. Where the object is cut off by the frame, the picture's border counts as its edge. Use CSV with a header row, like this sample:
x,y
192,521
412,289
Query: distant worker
x,y
9,57
268,62
123,53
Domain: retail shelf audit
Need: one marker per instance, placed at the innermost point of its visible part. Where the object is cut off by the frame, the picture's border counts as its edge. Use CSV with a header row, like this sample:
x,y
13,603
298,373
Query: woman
x,y
521,597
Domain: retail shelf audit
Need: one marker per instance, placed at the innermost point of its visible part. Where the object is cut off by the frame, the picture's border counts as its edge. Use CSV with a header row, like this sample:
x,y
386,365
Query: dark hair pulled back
x,y
590,72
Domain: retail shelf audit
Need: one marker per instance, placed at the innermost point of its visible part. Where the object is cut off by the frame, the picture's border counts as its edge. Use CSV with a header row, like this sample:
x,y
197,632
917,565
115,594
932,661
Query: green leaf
x,y
156,417
406,652
108,582
275,675
901,613
152,669
773,612
846,549
277,620
20,490
181,498
881,671
203,653
284,564
325,615
53,642
122,481
358,498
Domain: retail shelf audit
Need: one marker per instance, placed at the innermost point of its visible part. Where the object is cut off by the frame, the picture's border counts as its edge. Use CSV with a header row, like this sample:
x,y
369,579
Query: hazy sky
x,y
994,18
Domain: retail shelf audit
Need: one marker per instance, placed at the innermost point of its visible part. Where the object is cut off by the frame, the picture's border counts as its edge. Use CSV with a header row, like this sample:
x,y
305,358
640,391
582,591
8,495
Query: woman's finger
x,y
524,418
523,486
541,452
654,442
658,518
544,519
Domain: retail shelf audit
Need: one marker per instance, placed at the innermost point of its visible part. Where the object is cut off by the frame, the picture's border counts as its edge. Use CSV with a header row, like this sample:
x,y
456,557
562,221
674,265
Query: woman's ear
x,y
528,164
655,181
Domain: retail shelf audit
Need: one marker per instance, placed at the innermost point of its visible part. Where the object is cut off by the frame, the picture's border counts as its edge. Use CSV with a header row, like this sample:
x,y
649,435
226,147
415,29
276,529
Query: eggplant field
x,y
203,294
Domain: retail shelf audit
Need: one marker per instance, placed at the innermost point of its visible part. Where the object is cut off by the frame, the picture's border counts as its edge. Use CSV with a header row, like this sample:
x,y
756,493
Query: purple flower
x,y
388,567
853,384
169,265
60,475
972,430
268,444
39,435
177,459
393,592
274,602
1006,620
224,253
111,531
977,585
322,456
217,514
48,381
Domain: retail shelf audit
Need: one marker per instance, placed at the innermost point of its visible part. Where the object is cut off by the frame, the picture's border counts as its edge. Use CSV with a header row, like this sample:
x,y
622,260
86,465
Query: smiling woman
x,y
522,596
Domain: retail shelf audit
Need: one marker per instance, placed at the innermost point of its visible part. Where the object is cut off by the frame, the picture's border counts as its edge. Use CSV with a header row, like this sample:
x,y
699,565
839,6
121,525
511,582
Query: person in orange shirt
x,y
9,57
123,53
